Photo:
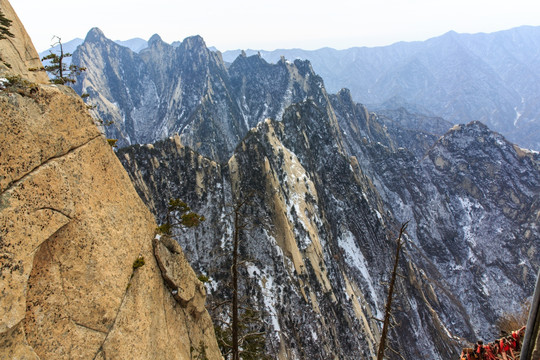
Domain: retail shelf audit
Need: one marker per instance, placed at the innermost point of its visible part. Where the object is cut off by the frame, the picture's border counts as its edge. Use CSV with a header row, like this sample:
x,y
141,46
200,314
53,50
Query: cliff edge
x,y
78,274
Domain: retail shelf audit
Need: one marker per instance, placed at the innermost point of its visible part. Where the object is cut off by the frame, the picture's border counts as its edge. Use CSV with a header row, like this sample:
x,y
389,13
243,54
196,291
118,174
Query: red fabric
x,y
488,353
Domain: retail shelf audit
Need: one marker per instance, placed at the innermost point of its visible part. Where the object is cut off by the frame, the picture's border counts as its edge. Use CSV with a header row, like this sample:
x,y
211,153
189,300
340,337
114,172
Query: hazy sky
x,y
243,24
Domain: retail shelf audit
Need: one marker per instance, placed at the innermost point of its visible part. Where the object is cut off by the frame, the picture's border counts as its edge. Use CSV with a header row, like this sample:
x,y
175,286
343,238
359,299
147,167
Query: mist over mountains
x,y
332,181
493,78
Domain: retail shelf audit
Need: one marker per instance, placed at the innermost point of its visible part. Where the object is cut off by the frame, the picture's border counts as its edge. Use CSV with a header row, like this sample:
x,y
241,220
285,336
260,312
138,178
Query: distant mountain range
x,y
493,78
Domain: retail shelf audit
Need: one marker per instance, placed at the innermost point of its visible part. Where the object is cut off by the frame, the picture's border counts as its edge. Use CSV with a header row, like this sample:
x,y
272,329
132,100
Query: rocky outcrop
x,y
179,275
71,229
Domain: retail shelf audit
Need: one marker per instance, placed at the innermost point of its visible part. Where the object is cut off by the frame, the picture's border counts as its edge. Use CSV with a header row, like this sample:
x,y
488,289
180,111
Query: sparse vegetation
x,y
199,353
240,332
253,343
138,262
57,68
179,215
388,309
112,142
16,84
5,24
203,278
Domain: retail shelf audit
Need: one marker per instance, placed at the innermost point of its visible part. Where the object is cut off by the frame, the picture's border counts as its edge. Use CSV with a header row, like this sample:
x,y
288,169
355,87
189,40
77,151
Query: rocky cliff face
x,y
476,210
186,89
331,182
317,243
471,193
321,241
18,51
472,199
71,230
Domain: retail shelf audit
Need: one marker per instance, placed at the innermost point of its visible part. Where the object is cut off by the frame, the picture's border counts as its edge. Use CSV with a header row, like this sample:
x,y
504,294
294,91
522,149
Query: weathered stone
x,y
13,345
25,144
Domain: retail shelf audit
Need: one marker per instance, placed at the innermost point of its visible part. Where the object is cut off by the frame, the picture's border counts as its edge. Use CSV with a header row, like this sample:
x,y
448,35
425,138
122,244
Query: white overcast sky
x,y
256,24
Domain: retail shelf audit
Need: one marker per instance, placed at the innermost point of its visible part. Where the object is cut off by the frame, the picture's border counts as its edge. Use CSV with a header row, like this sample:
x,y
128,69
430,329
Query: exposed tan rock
x,y
179,275
18,141
19,51
71,227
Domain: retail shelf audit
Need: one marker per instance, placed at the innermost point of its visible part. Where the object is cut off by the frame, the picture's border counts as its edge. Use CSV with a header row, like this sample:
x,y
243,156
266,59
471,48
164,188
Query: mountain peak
x,y
345,96
194,42
473,127
474,135
95,34
154,40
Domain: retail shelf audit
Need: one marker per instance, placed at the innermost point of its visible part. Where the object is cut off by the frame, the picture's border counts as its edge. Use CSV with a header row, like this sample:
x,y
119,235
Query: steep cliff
x,y
318,243
472,199
73,237
331,181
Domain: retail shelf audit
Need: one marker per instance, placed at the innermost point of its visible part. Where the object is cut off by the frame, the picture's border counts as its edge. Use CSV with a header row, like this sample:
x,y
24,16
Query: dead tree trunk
x,y
388,309
234,270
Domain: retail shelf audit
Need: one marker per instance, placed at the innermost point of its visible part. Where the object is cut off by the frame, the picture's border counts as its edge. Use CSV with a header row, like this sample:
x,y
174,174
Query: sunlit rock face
x,y
71,228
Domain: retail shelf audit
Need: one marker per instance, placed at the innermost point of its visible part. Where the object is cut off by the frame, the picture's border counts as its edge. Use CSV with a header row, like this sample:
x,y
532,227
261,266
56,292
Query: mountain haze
x,y
461,77
185,89
491,78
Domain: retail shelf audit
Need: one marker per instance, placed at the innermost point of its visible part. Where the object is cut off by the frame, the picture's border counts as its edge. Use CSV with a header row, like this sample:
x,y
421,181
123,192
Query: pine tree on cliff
x,y
5,23
388,309
179,215
241,336
57,67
